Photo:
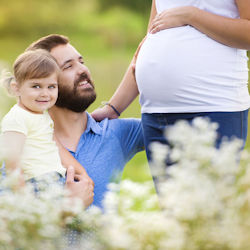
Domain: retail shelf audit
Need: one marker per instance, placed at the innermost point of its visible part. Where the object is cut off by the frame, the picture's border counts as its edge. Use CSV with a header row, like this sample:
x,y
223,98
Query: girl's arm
x,y
229,31
127,90
13,147
68,160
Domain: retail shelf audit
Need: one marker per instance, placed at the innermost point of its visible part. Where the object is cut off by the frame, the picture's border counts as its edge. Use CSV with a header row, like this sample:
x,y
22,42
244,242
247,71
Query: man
x,y
102,148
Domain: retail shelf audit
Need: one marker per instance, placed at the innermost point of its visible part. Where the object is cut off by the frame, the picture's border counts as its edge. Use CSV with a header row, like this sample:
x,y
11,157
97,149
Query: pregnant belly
x,y
180,66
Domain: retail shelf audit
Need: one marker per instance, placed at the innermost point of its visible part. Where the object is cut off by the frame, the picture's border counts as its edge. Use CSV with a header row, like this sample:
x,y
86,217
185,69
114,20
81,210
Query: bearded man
x,y
103,148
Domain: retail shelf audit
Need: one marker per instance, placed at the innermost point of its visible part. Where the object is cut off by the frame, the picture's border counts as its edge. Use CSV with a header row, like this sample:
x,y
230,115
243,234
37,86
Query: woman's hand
x,y
233,32
104,112
172,18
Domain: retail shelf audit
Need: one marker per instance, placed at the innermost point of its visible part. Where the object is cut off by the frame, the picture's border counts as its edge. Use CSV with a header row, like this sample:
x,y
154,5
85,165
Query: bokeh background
x,y
105,32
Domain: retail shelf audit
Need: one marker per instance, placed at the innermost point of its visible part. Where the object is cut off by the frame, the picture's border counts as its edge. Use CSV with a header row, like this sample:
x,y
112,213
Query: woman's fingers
x,y
157,26
171,18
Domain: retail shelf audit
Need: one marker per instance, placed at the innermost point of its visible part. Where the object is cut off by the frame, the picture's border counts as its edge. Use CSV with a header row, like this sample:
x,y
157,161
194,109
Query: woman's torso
x,y
183,70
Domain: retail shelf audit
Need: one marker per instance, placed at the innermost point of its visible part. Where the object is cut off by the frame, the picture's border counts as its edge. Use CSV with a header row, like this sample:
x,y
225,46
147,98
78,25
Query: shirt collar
x,y
93,125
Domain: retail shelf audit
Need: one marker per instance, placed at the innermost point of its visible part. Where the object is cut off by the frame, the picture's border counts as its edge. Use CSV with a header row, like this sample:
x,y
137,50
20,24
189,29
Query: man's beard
x,y
73,99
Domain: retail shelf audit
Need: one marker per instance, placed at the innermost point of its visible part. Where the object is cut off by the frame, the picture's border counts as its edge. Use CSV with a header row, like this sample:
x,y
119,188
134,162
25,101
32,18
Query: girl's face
x,y
38,95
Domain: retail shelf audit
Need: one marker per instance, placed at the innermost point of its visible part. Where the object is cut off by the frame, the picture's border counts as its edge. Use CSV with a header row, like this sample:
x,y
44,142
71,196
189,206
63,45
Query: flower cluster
x,y
31,220
204,196
203,202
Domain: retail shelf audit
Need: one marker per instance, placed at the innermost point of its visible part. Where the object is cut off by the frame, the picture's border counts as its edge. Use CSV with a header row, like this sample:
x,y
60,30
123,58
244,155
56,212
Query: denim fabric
x,y
45,181
231,124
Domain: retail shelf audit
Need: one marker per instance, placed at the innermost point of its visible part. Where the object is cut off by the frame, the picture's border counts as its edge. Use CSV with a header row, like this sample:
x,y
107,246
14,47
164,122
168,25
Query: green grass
x,y
137,169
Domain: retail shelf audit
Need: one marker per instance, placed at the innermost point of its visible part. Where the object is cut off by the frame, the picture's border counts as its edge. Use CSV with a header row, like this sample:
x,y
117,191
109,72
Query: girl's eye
x,y
52,86
36,86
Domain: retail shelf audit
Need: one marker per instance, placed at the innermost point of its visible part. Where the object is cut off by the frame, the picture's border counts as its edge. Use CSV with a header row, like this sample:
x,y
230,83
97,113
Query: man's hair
x,y
49,42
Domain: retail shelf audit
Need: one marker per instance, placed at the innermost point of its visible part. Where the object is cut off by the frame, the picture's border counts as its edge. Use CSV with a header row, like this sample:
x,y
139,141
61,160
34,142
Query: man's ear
x,y
14,88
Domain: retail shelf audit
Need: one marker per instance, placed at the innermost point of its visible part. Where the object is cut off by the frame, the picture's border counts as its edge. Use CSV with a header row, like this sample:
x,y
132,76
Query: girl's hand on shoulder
x,y
172,18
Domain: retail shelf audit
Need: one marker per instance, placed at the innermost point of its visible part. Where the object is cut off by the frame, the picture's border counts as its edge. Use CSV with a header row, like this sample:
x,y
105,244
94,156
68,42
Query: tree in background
x,y
140,6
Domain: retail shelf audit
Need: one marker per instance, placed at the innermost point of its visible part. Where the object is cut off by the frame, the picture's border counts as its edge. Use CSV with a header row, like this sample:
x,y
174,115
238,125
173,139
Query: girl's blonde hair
x,y
33,64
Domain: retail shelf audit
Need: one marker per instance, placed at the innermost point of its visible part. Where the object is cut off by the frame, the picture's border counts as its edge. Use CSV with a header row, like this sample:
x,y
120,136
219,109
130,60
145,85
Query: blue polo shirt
x,y
105,147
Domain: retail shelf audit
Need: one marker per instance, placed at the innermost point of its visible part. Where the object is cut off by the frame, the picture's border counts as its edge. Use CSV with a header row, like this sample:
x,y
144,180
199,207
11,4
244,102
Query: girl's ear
x,y
14,88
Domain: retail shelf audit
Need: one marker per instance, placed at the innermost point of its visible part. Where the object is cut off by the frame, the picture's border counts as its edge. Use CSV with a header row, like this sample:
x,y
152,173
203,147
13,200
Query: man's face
x,y
76,89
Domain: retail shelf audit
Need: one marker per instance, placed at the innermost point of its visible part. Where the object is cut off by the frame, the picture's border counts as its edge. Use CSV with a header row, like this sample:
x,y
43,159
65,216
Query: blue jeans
x,y
231,124
46,180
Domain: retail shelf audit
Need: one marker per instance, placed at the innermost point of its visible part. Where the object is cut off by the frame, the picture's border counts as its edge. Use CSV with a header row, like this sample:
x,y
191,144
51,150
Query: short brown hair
x,y
34,64
49,42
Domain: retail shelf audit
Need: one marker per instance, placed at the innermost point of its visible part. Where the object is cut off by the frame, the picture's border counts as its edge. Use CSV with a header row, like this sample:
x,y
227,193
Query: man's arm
x,y
68,160
130,136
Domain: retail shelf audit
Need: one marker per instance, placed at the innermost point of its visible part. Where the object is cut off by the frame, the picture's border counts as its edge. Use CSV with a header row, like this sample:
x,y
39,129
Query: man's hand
x,y
85,175
82,189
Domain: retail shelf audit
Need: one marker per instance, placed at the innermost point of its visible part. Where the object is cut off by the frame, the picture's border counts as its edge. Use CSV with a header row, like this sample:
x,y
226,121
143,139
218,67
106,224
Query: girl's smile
x,y
38,95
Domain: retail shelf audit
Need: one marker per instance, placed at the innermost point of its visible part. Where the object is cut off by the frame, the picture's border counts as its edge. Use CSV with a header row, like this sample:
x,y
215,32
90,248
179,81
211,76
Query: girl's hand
x,y
172,18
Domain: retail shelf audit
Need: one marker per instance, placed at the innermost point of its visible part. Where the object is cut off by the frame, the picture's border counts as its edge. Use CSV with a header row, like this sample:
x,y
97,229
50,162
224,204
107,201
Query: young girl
x,y
27,128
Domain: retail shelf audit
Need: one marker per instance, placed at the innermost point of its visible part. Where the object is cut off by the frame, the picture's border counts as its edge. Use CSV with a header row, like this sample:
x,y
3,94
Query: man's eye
x,y
68,66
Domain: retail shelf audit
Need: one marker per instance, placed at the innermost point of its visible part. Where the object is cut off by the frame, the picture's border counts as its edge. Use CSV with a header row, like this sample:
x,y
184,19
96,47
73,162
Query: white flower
x,y
204,203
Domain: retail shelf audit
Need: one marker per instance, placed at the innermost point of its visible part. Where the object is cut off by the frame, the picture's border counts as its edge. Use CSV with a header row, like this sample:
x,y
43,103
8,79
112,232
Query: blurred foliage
x,y
100,29
139,6
107,39
25,16
35,18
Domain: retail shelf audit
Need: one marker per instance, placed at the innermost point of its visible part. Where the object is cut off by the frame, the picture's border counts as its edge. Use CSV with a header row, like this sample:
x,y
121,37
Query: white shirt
x,y
183,70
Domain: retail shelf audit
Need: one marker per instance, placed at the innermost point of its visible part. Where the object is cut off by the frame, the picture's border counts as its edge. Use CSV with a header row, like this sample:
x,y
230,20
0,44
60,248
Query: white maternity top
x,y
183,70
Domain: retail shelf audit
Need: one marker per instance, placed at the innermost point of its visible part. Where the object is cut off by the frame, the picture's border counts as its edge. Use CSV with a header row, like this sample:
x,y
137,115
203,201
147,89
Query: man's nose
x,y
82,68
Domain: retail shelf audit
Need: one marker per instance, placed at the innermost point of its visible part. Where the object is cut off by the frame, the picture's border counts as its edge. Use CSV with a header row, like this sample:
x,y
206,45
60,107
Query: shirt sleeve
x,y
131,137
15,123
